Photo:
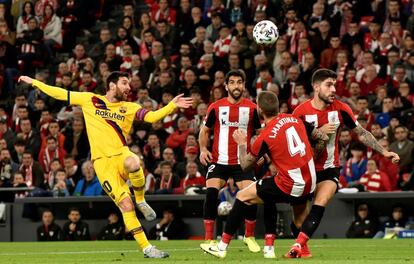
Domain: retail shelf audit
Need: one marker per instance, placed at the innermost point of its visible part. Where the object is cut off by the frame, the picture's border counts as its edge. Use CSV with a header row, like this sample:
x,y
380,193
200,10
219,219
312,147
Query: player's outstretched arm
x,y
178,101
55,92
246,160
369,140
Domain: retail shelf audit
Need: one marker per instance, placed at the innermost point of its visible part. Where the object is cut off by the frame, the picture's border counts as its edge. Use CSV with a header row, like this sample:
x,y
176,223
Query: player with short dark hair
x,y
223,118
329,114
285,140
108,121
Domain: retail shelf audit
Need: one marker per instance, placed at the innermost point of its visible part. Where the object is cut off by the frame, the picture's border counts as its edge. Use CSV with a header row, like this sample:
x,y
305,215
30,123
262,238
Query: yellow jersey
x,y
107,124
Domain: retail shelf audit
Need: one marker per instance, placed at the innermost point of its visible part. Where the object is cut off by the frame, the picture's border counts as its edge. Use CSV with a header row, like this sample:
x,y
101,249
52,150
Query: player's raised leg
x,y
137,178
249,221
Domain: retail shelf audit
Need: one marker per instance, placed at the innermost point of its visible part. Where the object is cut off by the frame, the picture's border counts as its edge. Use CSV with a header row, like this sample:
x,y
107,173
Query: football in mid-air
x,y
265,32
224,208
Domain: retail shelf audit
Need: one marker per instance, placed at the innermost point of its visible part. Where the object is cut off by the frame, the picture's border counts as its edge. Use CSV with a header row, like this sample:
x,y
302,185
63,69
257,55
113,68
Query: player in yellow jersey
x,y
108,121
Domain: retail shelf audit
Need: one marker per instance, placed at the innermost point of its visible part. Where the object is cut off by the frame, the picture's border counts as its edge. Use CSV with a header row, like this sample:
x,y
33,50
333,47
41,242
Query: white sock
x,y
268,248
222,246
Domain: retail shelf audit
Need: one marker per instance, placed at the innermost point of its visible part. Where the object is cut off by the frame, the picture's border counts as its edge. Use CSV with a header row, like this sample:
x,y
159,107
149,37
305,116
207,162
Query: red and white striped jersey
x,y
338,113
285,140
224,118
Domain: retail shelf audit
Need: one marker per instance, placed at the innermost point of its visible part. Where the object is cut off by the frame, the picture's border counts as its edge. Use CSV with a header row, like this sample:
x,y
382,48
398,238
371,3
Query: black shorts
x,y
224,172
330,174
269,192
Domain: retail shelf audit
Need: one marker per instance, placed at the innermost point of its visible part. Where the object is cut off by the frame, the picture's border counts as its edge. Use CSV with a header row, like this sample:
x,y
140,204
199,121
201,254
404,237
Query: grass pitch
x,y
324,251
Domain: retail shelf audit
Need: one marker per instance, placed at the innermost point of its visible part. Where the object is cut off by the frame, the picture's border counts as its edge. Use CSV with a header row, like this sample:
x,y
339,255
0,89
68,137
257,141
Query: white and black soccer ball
x,y
224,208
265,32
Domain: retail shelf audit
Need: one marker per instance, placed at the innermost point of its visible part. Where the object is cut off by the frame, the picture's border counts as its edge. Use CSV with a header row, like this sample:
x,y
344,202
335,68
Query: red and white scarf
x,y
259,84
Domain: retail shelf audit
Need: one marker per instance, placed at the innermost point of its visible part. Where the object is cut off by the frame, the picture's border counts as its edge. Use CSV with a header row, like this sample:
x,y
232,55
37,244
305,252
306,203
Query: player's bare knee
x,y
131,164
321,201
126,205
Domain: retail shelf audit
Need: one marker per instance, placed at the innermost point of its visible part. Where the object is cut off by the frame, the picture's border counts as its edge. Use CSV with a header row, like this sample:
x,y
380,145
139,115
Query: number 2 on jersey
x,y
295,144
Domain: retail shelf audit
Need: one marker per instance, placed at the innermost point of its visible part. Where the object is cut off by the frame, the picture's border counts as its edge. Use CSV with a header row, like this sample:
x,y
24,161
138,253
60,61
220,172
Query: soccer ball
x,y
224,208
265,32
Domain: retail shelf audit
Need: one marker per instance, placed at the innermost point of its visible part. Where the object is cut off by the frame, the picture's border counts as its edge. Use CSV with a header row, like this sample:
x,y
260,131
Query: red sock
x,y
250,225
226,238
302,239
270,239
209,229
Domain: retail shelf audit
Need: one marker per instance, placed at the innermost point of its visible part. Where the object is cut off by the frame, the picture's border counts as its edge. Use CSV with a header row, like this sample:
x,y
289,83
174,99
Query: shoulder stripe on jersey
x,y
68,97
118,130
141,113
348,121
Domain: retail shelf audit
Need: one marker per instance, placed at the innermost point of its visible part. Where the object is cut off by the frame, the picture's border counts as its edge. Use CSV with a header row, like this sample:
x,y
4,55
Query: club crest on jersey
x,y
123,109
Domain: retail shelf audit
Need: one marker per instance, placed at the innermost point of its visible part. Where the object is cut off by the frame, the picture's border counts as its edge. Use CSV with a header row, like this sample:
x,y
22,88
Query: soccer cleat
x,y
306,252
295,251
269,253
154,252
147,211
251,244
213,249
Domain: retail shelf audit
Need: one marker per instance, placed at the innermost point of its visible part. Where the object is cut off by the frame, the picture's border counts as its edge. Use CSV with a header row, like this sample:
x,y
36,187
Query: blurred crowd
x,y
184,46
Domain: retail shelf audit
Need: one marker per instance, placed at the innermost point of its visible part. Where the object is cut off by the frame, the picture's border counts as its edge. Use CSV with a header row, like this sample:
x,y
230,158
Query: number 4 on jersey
x,y
295,144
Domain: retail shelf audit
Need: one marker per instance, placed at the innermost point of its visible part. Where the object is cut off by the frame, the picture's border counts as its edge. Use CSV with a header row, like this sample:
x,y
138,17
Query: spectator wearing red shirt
x,y
362,111
375,180
370,81
178,138
87,83
162,11
384,164
193,177
51,152
328,56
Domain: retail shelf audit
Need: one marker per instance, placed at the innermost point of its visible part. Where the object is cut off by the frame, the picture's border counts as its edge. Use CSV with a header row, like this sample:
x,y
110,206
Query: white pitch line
x,y
134,251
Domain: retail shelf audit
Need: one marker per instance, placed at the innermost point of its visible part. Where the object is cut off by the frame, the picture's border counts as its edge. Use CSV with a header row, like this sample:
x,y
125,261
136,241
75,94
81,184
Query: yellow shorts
x,y
113,176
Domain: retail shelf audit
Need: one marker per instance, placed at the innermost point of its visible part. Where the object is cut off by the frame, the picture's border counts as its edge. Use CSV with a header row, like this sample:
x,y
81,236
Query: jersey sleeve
x,y
256,120
210,117
154,116
73,98
348,116
259,147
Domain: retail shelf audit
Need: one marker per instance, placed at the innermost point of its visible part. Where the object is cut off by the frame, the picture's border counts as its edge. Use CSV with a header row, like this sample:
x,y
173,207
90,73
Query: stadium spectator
x,y
23,20
76,140
114,230
385,165
375,180
18,181
31,170
171,227
193,177
6,133
30,136
403,147
397,221
29,44
75,229
52,151
177,139
73,171
168,180
7,166
49,230
89,185
364,225
63,186
355,166
51,26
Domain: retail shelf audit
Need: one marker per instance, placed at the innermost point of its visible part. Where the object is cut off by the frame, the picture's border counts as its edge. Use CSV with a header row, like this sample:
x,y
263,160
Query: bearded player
x,y
329,114
223,118
108,121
